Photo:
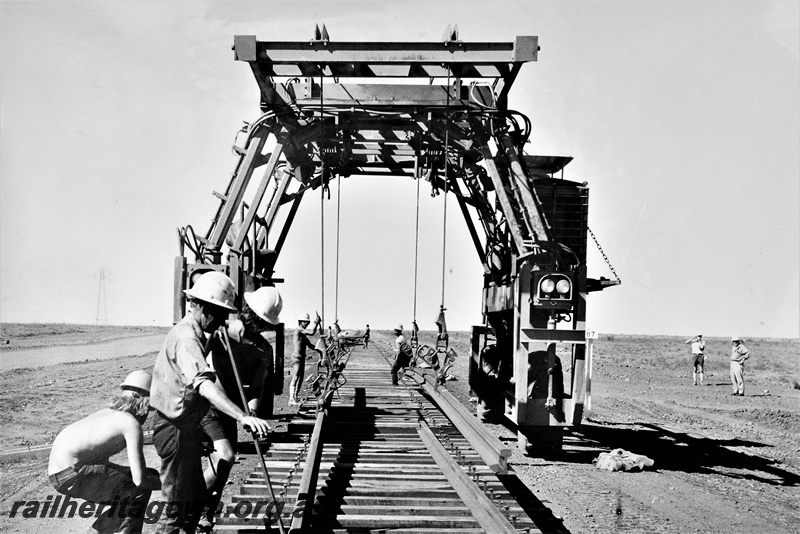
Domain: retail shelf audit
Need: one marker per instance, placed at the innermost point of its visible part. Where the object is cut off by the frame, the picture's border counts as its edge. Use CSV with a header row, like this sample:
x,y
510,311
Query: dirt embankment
x,y
722,464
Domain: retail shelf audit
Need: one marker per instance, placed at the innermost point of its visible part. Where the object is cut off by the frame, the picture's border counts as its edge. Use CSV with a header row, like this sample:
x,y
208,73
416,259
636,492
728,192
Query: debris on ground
x,y
620,459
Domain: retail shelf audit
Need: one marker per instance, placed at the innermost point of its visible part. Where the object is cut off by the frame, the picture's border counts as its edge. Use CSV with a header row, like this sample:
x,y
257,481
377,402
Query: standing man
x,y
79,465
698,358
301,343
366,338
402,354
739,353
183,388
254,359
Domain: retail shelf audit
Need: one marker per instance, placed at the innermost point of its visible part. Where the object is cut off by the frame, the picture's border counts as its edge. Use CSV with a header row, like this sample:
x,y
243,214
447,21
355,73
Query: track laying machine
x,y
434,111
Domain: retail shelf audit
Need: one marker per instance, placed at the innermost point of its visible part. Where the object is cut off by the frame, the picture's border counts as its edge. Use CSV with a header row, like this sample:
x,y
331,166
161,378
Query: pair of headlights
x,y
549,284
553,290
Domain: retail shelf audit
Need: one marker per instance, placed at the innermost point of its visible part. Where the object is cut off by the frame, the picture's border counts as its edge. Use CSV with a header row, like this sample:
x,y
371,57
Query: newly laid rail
x,y
378,458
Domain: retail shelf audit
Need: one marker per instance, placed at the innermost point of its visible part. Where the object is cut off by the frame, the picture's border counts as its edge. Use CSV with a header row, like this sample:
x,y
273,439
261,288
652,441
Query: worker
x,y
183,387
739,353
698,358
366,338
254,359
79,459
336,331
402,353
300,344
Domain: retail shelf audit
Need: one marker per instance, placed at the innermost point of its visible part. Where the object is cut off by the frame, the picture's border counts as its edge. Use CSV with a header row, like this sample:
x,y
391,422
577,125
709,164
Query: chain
x,y
608,262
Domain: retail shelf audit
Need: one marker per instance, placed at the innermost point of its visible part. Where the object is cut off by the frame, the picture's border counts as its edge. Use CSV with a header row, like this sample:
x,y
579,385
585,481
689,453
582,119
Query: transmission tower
x,y
101,300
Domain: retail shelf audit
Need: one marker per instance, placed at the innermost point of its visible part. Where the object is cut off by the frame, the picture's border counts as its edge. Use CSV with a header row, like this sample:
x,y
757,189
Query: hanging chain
x,y
608,262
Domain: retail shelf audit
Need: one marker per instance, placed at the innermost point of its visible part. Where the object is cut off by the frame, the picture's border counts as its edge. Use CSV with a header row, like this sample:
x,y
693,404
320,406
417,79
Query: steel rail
x,y
301,515
491,450
366,467
484,511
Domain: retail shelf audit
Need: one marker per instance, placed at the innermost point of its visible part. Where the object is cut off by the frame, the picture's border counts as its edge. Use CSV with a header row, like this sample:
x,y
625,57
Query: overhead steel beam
x,y
358,54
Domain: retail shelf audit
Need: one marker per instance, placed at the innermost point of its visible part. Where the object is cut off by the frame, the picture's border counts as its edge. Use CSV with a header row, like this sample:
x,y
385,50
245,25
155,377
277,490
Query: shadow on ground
x,y
676,451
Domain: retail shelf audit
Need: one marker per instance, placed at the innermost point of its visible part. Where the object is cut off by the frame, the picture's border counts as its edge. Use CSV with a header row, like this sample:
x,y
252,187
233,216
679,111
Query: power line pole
x,y
101,299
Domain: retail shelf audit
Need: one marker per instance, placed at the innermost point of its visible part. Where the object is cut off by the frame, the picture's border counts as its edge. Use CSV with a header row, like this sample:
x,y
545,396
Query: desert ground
x,y
722,464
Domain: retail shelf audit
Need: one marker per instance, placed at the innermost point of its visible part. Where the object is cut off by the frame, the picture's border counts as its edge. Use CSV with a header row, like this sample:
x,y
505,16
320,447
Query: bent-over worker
x,y
79,465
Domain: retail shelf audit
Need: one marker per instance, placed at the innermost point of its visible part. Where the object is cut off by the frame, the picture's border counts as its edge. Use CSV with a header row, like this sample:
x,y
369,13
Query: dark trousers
x,y
113,485
402,360
182,484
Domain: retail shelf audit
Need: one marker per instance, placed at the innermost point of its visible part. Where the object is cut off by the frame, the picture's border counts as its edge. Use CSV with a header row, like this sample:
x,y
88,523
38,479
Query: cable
x,y
322,212
446,181
338,214
416,239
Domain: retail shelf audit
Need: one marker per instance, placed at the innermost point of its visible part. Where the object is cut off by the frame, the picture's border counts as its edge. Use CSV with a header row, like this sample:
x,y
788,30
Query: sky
x,y
117,118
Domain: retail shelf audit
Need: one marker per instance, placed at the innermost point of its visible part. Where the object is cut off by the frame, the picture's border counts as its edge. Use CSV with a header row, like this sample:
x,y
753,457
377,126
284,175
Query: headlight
x,y
547,285
563,287
552,290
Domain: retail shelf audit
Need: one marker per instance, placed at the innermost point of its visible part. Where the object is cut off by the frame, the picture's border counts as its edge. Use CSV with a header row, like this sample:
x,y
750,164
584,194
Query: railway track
x,y
378,458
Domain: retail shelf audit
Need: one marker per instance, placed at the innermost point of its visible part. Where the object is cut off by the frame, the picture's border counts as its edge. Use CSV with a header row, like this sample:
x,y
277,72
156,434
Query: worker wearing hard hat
x,y
183,388
79,465
739,353
402,353
698,357
300,343
254,359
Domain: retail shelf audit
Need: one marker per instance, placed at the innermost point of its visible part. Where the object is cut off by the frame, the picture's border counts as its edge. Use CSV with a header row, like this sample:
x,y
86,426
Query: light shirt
x,y
739,353
179,370
698,347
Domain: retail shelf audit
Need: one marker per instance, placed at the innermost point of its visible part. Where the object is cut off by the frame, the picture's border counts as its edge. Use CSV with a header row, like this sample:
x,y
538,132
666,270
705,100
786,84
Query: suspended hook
x,y
443,338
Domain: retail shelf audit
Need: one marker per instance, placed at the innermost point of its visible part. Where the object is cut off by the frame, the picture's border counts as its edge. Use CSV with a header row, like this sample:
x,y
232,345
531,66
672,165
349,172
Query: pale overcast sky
x,y
684,117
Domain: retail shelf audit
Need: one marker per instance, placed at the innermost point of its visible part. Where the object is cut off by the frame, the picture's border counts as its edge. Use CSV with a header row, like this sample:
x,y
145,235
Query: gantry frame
x,y
335,109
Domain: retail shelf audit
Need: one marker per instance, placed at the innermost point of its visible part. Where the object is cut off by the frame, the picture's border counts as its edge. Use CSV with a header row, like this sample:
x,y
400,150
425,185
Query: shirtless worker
x,y
79,465
183,388
301,343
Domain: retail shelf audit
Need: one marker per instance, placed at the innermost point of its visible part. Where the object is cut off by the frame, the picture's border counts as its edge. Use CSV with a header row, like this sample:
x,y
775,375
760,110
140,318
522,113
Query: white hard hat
x,y
736,338
214,288
399,327
266,302
138,380
304,317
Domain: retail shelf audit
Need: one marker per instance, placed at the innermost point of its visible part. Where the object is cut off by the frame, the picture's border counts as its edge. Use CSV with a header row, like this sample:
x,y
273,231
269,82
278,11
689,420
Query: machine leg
x,y
490,411
541,441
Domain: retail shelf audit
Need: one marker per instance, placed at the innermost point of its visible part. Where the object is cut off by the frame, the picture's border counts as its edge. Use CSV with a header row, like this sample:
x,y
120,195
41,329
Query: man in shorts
x,y
402,353
300,343
698,357
254,359
79,465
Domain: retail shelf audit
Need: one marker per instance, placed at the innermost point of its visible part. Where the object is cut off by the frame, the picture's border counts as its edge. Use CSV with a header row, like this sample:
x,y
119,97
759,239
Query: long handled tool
x,y
227,343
